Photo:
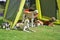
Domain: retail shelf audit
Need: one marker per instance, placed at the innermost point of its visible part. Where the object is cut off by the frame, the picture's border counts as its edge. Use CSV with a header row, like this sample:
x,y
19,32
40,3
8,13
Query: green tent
x,y
14,8
46,8
13,11
50,8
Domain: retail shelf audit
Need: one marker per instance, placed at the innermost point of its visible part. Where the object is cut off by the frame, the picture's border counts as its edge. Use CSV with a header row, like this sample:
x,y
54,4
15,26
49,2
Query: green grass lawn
x,y
42,33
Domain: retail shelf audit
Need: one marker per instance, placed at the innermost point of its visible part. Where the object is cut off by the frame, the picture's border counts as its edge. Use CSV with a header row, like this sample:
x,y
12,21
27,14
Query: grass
x,y
42,33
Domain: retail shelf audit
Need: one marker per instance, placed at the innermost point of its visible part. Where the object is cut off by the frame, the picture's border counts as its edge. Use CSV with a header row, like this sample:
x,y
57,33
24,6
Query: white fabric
x,y
3,0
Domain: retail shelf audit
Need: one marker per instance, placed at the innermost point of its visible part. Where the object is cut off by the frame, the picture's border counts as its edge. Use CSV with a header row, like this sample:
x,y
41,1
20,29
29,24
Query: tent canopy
x,y
14,8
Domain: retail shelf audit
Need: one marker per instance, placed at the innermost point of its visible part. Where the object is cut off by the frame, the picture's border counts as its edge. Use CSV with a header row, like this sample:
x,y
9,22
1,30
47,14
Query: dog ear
x,y
53,19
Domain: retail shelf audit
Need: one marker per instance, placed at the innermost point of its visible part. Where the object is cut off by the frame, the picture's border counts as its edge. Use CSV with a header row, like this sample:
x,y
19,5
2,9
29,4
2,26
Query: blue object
x,y
1,14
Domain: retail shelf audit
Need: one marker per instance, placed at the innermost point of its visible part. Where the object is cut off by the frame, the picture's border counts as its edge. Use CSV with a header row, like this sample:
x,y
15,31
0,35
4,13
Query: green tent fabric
x,y
58,3
49,8
12,10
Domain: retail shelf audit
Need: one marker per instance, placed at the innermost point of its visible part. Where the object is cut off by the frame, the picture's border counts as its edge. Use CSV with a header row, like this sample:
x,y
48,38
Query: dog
x,y
23,26
50,22
6,25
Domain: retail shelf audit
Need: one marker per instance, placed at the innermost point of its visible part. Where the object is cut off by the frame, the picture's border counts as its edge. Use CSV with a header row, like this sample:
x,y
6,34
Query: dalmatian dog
x,y
26,26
